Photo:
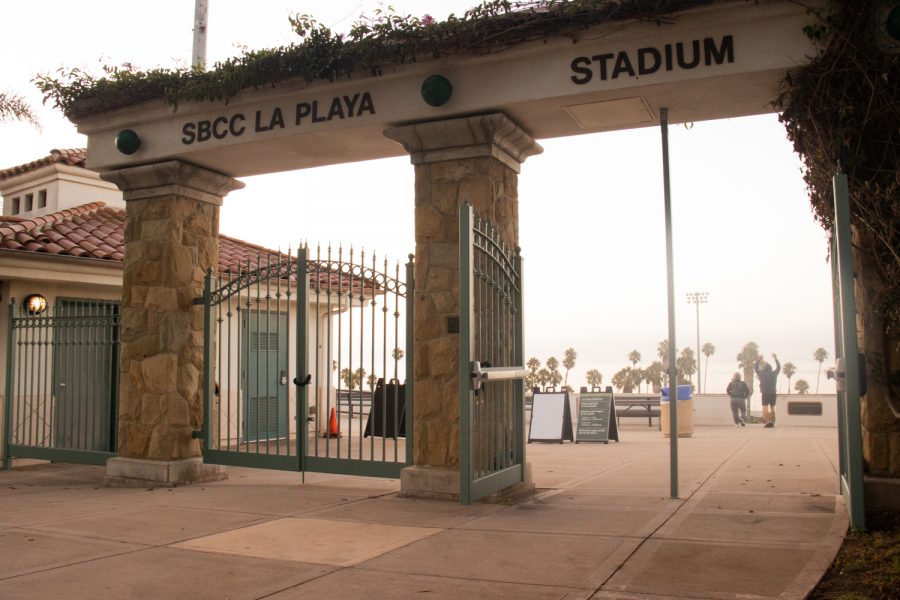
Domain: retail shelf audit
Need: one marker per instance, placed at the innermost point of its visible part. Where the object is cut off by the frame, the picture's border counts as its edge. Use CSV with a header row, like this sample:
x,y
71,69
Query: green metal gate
x,y
492,410
62,382
848,365
305,359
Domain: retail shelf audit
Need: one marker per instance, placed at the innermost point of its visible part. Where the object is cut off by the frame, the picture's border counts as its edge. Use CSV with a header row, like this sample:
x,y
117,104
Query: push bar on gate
x,y
487,373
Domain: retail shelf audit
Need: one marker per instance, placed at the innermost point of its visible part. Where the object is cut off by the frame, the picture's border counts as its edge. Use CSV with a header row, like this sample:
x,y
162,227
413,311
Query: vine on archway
x,y
373,43
843,109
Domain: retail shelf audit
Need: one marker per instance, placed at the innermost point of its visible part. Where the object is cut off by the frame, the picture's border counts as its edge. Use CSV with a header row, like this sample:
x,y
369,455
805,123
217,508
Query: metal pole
x,y
670,298
697,298
8,398
198,57
853,486
698,348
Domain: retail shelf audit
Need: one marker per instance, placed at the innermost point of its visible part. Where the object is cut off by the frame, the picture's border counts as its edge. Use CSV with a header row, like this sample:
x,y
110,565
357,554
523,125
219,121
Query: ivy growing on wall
x,y
843,110
373,43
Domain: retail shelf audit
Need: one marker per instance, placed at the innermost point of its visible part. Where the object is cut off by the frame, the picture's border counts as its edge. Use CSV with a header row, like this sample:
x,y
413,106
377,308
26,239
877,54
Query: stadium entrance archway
x,y
467,141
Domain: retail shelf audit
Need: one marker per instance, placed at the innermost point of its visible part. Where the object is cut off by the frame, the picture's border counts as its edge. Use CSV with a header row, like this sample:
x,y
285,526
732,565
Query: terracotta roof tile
x,y
76,157
96,231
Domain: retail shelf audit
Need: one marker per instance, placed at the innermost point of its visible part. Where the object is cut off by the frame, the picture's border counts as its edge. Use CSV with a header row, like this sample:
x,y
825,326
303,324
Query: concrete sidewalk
x,y
759,517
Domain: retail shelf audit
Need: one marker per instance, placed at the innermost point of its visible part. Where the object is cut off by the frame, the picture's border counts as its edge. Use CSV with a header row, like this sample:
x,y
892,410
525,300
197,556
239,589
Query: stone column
x,y
171,239
474,159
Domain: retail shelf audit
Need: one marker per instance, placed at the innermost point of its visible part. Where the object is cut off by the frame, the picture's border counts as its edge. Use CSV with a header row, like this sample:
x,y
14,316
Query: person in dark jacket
x,y
738,393
767,377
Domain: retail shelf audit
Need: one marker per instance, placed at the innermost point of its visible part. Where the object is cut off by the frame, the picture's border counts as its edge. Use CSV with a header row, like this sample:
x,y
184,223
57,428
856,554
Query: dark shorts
x,y
768,399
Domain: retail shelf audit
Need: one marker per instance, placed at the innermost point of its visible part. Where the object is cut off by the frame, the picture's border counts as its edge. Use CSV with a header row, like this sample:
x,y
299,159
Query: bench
x,y
637,405
354,401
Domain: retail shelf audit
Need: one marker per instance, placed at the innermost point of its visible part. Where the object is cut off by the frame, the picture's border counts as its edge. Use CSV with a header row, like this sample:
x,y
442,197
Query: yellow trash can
x,y
685,408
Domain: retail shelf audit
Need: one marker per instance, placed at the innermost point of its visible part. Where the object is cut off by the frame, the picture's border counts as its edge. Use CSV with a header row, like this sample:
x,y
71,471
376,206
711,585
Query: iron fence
x,y
61,392
308,377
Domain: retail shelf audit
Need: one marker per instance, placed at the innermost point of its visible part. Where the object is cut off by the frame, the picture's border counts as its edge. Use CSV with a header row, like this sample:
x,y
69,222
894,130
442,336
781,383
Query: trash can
x,y
684,405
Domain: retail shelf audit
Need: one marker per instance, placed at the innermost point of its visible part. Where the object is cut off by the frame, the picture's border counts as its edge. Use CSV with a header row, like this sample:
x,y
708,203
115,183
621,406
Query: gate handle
x,y
305,381
480,374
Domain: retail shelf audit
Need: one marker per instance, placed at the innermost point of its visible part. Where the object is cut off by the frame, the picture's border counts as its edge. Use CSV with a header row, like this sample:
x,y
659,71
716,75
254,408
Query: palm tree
x,y
620,379
555,379
789,369
543,376
801,386
662,350
569,361
748,357
359,376
372,381
637,377
594,379
686,364
708,350
653,375
531,380
821,355
14,108
634,357
553,367
347,377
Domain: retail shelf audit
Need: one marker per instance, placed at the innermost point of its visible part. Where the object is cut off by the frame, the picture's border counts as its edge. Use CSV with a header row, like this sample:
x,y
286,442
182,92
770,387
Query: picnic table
x,y
637,405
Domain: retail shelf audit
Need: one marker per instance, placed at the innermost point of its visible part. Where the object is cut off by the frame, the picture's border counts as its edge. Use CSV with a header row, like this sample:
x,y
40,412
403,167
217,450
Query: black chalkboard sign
x,y
596,418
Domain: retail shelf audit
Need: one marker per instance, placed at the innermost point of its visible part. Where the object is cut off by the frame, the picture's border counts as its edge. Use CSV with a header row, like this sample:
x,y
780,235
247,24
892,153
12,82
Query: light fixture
x,y
437,90
35,304
128,141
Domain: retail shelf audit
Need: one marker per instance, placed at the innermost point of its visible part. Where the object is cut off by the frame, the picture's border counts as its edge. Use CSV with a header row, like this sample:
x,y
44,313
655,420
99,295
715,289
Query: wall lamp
x,y
35,304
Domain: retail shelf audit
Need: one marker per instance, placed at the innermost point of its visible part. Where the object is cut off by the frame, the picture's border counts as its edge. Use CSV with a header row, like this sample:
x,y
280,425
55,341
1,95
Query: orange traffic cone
x,y
332,430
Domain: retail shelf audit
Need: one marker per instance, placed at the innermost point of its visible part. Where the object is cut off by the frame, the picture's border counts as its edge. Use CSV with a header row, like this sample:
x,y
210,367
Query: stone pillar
x,y
474,159
171,239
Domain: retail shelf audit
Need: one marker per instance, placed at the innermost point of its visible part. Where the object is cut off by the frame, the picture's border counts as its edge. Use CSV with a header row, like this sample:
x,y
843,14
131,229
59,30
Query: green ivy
x,y
841,111
372,44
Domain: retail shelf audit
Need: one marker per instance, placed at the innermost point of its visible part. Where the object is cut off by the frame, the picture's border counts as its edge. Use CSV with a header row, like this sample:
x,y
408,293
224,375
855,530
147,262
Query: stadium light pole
x,y
698,298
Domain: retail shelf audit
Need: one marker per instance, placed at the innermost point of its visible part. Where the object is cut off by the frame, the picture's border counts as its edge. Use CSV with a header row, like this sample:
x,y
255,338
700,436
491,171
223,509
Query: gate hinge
x,y
197,434
198,301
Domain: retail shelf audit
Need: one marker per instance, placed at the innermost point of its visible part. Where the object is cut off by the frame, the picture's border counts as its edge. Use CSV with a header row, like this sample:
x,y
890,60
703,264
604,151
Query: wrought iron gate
x,y
62,371
492,411
846,350
305,359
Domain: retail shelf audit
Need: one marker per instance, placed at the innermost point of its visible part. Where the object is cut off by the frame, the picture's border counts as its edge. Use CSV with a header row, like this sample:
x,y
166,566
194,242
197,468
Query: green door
x,y
85,365
266,376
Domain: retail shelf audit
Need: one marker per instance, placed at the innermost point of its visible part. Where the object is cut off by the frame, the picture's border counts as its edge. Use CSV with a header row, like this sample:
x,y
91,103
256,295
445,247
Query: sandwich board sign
x,y
597,418
551,418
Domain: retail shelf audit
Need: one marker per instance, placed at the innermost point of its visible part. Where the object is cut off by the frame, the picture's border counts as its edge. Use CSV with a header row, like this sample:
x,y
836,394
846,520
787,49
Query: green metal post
x,y
7,400
465,352
670,270
838,354
208,387
852,486
410,352
519,359
302,367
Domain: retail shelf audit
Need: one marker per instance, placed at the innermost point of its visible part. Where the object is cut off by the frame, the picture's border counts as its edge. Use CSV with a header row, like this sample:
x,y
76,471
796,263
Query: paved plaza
x,y
758,517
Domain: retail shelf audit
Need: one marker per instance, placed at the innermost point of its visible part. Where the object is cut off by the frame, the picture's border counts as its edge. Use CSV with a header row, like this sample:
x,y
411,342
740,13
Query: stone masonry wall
x,y
441,188
169,242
